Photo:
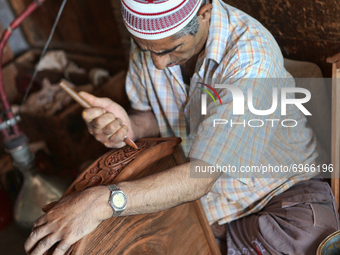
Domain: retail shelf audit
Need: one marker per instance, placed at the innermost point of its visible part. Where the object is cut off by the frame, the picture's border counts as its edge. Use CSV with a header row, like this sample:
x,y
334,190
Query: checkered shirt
x,y
238,51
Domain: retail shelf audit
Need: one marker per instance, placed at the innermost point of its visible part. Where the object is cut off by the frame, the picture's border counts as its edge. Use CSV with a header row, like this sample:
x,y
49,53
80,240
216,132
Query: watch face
x,y
119,200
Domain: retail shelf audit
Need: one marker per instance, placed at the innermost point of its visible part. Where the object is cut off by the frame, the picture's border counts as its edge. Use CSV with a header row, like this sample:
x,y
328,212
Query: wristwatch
x,y
117,199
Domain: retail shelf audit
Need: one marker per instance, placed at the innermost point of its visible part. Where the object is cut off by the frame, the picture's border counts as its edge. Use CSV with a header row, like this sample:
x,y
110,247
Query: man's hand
x,y
107,121
334,59
69,220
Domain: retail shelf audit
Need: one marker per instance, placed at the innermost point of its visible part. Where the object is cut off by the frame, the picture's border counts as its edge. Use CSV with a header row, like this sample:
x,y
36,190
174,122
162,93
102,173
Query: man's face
x,y
168,52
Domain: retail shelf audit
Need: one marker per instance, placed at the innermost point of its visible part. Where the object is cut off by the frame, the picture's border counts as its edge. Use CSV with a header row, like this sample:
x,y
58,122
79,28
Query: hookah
x,y
38,189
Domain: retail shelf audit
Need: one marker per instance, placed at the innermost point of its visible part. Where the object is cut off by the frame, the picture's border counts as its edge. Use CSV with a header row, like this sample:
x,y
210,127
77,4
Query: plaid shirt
x,y
239,51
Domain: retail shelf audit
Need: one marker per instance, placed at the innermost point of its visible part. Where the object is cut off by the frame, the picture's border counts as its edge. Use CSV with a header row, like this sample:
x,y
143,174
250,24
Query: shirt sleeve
x,y
223,139
135,81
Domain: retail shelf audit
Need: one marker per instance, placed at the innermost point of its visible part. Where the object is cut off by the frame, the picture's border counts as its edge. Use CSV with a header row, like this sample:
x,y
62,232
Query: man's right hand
x,y
107,121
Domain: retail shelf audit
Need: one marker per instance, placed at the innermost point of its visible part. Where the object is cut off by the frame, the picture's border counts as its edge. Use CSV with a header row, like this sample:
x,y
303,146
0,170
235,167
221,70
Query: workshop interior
x,y
47,152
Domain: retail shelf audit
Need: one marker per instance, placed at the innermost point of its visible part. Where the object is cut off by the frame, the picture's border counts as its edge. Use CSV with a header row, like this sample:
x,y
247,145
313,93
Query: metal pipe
x,y
6,34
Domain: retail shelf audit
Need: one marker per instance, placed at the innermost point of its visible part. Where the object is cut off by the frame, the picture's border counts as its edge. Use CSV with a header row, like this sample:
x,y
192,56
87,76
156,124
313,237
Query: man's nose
x,y
160,62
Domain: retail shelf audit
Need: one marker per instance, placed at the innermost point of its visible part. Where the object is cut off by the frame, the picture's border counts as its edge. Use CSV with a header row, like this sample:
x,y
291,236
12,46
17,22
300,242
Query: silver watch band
x,y
113,187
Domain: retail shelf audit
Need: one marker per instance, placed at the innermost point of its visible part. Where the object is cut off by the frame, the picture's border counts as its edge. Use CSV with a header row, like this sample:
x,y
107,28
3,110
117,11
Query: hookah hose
x,y
5,36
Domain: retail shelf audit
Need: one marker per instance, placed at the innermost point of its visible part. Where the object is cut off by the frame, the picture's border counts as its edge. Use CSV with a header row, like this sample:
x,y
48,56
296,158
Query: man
x,y
175,45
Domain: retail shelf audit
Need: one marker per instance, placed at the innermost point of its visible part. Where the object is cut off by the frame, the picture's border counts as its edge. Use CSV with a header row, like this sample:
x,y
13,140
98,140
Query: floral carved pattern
x,y
105,169
125,155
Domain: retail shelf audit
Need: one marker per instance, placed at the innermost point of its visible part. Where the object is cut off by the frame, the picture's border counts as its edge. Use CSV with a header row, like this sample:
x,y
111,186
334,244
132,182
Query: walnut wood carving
x,y
105,169
180,230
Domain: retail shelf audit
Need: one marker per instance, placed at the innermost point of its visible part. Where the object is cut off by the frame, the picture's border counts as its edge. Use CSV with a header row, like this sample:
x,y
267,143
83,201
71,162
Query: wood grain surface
x,y
182,230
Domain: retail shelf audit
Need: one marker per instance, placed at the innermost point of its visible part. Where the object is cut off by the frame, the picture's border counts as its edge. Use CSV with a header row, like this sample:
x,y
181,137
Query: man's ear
x,y
205,12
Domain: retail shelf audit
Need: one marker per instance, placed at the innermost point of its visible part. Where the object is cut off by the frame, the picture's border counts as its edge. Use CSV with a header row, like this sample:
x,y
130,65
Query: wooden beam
x,y
335,154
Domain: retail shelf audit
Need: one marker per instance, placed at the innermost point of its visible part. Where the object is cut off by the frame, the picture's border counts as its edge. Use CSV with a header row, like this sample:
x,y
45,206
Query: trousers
x,y
294,222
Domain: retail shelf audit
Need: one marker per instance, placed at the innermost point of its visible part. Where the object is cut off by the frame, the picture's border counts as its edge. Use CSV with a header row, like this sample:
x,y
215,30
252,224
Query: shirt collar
x,y
218,32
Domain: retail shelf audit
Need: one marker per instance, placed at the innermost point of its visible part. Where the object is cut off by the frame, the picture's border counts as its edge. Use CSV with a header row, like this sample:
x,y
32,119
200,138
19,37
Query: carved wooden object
x,y
180,230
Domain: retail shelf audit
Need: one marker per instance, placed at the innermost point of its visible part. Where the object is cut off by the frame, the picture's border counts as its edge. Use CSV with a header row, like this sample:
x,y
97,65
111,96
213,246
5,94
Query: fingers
x,y
65,223
333,59
117,139
100,124
44,245
112,136
37,234
105,127
39,222
62,248
96,101
93,113
111,127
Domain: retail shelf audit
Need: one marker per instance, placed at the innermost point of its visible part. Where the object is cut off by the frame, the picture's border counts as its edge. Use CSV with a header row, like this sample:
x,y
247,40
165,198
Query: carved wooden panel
x,y
105,169
180,230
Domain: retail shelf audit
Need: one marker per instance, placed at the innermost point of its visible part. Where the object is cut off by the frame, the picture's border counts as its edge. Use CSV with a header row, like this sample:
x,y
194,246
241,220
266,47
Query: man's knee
x,y
302,229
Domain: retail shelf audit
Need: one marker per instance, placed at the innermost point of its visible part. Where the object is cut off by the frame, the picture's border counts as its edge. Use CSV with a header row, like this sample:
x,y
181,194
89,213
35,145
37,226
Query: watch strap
x,y
113,187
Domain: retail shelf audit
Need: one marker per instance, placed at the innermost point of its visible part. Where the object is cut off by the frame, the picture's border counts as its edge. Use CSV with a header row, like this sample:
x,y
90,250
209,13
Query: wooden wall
x,y
305,30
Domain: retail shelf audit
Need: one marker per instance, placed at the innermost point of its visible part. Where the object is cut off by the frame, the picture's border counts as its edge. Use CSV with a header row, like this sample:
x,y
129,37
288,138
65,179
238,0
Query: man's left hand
x,y
69,220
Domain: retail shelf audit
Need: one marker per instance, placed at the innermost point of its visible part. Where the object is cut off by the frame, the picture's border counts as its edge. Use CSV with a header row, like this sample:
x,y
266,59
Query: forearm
x,y
163,190
143,124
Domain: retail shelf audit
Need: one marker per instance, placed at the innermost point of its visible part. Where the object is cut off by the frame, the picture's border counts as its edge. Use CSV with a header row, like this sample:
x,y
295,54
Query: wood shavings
x,y
48,100
73,68
53,60
98,76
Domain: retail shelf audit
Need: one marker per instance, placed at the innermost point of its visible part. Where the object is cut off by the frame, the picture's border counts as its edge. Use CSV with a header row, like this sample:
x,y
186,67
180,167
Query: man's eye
x,y
140,48
161,54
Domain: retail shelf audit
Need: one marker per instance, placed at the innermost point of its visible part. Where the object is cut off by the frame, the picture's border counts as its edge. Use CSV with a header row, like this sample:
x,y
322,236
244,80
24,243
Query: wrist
x,y
101,196
133,131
